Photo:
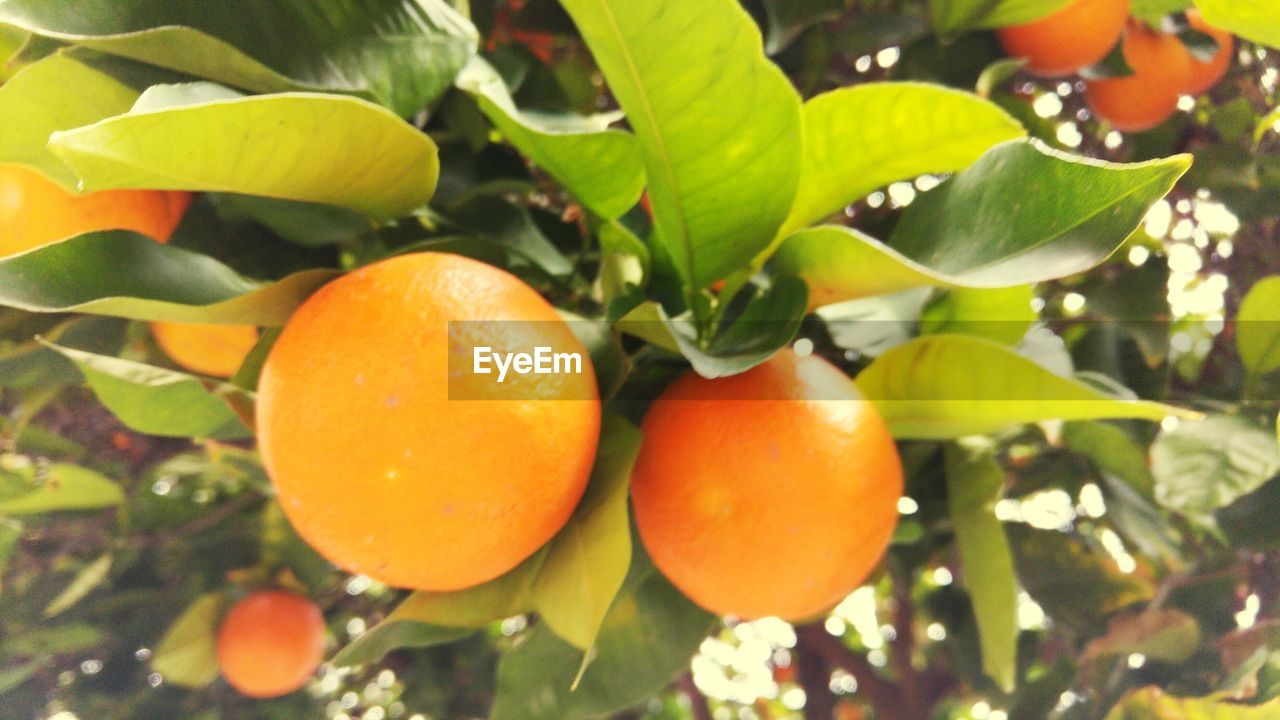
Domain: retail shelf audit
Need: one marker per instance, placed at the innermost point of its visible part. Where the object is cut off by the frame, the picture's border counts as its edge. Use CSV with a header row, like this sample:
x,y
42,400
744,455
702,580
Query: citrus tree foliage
x,y
1071,332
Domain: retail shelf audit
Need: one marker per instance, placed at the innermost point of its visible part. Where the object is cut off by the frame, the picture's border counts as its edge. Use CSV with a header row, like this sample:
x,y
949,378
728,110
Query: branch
x,y
882,694
697,702
813,673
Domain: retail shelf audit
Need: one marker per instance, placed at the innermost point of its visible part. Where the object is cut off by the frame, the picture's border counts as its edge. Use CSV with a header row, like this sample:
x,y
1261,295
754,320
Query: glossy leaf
x,y
954,16
949,386
1000,314
325,149
127,275
187,653
1024,211
719,125
1258,326
601,167
34,104
862,138
588,560
647,638
404,53
1202,466
65,487
975,483
157,401
1254,20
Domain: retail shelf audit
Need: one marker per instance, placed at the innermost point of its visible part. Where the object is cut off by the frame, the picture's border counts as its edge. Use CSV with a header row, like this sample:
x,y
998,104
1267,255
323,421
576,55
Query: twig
x,y
197,525
882,694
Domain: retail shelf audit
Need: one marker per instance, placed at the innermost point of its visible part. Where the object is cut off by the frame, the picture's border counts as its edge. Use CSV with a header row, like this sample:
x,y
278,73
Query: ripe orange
x,y
270,643
1161,73
773,492
1204,75
390,467
1076,36
214,350
35,211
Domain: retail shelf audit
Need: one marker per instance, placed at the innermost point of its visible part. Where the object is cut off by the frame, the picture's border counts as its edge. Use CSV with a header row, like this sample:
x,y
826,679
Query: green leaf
x,y
393,634
768,323
313,148
1202,466
1153,12
647,638
1258,326
601,167
89,577
862,138
1165,635
975,483
13,675
157,401
951,17
1113,451
1021,214
789,18
719,125
949,386
66,487
588,560
187,655
127,275
1255,20
1000,314
307,224
56,93
45,641
404,53
1151,703
1025,211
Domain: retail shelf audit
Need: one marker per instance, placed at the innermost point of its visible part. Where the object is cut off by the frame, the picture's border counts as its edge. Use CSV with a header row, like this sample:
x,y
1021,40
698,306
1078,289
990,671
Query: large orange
x,y
1161,73
214,350
773,492
35,211
1206,74
374,463
1074,37
271,643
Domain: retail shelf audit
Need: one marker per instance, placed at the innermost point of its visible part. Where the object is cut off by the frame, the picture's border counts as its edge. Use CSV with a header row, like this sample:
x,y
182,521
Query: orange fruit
x,y
1204,75
1161,72
271,643
395,462
35,211
1074,37
214,350
772,492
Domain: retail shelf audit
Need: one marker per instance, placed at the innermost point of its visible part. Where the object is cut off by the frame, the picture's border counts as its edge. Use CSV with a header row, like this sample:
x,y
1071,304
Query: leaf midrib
x,y
664,156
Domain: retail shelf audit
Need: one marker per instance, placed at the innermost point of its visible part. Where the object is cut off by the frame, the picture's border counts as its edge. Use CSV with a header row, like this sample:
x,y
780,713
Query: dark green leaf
x,y
65,487
404,53
124,274
187,653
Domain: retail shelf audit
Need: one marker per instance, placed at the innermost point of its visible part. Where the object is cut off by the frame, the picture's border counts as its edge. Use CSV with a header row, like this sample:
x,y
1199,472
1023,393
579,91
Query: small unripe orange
x,y
1074,37
1161,72
271,643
